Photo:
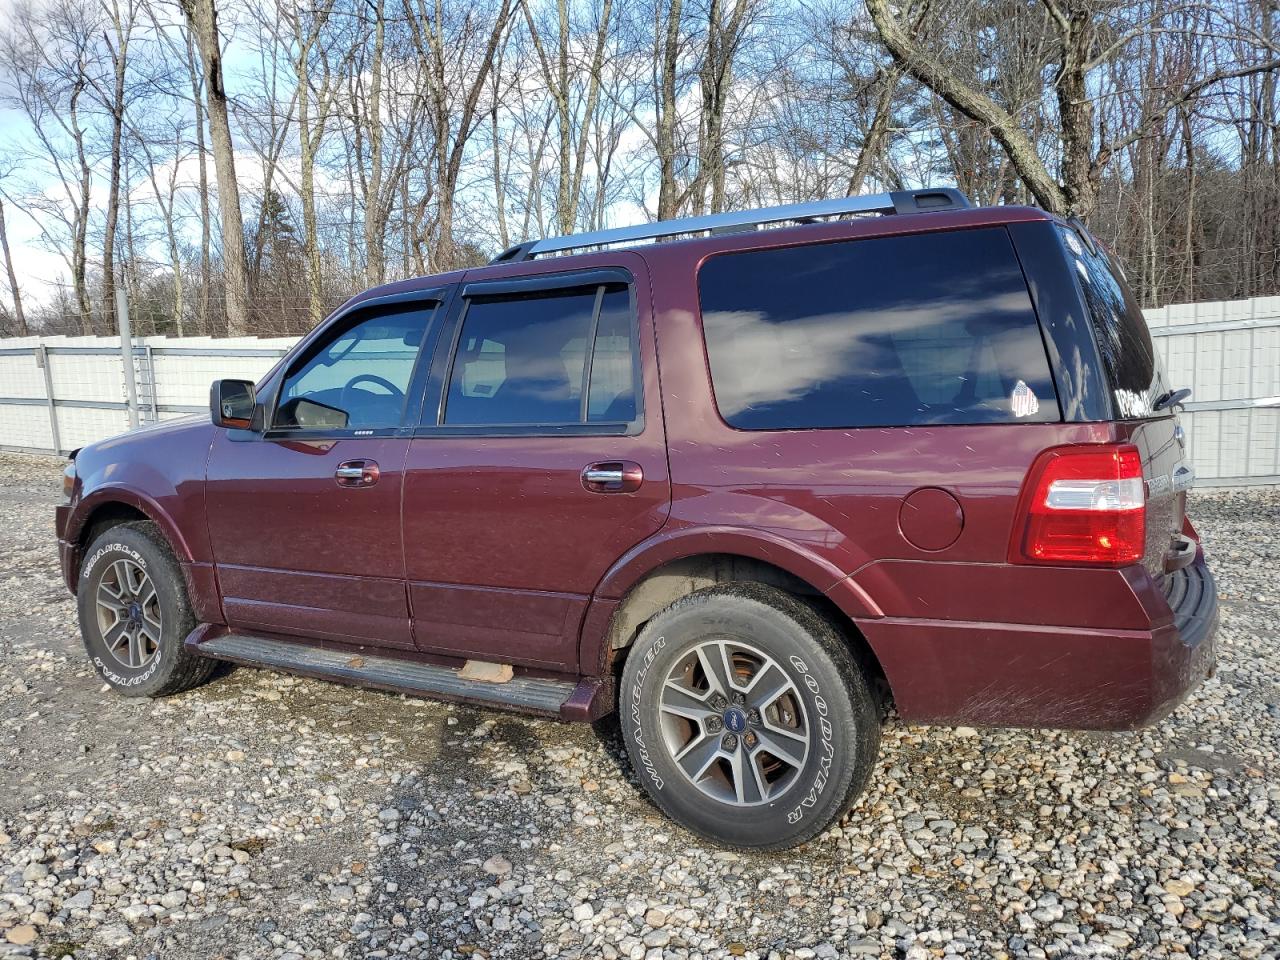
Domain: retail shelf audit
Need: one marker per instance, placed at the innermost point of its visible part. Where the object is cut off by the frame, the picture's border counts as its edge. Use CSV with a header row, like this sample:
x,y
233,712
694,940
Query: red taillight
x,y
1083,505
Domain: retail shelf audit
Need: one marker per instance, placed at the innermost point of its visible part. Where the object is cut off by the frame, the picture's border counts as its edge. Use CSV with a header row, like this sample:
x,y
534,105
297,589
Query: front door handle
x,y
357,473
612,476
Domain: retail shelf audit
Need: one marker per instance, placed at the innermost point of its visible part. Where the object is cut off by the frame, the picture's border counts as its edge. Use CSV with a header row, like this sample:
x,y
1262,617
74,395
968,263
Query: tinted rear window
x,y
1132,365
892,331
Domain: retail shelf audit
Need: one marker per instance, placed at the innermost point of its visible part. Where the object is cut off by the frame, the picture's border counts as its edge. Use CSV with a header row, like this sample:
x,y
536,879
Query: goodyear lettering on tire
x,y
826,747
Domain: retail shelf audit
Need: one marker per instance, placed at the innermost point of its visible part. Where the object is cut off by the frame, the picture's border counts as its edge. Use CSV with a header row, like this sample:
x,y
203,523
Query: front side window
x,y
357,379
893,331
560,358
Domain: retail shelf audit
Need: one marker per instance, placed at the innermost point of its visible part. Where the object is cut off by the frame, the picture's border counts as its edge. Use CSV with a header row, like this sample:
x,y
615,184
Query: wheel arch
x,y
110,506
612,624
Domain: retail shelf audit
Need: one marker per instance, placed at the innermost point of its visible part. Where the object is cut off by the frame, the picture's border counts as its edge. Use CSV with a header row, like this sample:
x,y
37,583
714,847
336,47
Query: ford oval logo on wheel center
x,y
735,721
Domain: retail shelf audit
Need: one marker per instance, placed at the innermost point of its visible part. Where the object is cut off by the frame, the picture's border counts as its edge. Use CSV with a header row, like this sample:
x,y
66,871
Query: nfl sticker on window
x,y
1023,400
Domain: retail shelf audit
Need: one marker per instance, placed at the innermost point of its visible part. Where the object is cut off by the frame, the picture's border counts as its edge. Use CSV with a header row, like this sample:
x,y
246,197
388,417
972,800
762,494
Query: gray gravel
x,y
265,816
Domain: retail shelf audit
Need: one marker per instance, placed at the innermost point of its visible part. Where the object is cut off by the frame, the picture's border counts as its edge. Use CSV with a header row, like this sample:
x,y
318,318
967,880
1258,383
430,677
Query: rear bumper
x,y
1019,675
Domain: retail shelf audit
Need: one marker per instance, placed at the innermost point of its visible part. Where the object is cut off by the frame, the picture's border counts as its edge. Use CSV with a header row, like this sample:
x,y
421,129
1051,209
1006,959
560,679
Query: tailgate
x,y
1141,399
1168,477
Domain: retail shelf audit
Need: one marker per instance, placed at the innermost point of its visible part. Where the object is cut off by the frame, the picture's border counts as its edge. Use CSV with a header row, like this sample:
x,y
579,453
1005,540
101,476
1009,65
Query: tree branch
x,y
974,104
1158,114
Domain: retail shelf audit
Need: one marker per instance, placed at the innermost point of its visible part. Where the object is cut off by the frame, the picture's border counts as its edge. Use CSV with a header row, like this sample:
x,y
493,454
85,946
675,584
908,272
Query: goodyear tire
x,y
134,614
747,718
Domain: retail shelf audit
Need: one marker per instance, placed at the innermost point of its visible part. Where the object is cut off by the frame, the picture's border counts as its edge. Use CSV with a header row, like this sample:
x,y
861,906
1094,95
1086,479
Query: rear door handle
x,y
612,476
357,473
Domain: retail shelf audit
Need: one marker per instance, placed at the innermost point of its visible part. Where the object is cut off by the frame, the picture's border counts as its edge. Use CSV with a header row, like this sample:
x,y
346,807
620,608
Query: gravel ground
x,y
265,816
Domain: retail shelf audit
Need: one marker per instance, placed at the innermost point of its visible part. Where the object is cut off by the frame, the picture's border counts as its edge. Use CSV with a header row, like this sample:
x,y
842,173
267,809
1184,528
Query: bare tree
x,y
1085,37
457,53
197,103
202,15
369,129
51,55
112,94
726,25
14,290
575,108
314,97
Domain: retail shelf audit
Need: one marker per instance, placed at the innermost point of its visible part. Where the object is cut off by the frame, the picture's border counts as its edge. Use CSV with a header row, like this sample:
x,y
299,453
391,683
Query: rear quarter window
x,y
892,331
1129,357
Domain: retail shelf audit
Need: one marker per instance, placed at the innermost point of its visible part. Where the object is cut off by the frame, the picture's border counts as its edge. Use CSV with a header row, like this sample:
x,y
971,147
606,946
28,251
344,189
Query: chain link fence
x,y
59,393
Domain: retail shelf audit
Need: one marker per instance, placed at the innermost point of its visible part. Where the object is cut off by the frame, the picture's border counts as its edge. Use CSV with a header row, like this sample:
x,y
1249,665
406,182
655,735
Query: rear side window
x,y
893,331
1132,365
562,358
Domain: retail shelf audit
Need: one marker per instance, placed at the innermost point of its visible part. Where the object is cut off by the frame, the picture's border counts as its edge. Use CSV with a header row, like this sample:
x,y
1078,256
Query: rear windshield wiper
x,y
1171,398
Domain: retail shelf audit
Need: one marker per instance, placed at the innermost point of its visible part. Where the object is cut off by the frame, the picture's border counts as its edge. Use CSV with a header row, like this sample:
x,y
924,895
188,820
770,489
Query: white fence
x,y
1228,353
59,393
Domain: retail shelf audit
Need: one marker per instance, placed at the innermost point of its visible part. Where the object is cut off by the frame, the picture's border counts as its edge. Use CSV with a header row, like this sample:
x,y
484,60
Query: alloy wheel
x,y
734,722
129,615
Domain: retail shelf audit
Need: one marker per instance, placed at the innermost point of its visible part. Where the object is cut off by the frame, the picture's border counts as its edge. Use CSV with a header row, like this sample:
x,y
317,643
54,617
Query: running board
x,y
586,700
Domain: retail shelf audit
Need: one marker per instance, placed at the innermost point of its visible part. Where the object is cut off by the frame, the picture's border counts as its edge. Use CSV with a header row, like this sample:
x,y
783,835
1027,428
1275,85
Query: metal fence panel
x,y
1228,353
59,393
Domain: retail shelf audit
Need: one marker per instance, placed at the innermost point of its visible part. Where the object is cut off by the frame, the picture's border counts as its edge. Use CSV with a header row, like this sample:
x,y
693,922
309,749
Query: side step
x,y
556,698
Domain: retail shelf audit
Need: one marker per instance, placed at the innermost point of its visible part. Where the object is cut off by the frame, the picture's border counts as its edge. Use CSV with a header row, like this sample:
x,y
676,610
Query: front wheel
x,y
747,718
134,614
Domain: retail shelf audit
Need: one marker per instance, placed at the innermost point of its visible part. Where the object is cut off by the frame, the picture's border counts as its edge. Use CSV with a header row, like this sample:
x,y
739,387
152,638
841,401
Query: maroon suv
x,y
745,485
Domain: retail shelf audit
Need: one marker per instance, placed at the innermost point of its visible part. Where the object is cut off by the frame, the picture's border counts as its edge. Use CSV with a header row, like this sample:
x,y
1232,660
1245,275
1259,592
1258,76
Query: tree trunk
x,y
203,18
1189,209
202,304
13,277
307,187
1080,175
119,57
873,141
499,185
374,207
724,36
452,106
666,58
566,200
79,240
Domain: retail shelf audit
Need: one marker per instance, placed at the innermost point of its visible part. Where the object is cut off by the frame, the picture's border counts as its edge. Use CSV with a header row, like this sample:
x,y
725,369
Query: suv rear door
x,y
540,460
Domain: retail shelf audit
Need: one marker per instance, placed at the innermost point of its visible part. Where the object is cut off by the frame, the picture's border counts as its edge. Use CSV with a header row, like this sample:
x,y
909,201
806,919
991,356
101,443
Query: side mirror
x,y
231,404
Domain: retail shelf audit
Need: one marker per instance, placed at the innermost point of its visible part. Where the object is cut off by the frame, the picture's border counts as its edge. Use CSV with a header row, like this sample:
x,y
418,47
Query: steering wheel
x,y
395,392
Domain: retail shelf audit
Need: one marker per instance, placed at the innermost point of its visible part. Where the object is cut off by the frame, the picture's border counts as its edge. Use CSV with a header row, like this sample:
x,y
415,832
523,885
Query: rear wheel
x,y
747,718
134,614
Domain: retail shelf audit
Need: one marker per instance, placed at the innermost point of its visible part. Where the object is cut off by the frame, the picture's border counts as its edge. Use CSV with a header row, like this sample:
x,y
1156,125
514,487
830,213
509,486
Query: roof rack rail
x,y
899,201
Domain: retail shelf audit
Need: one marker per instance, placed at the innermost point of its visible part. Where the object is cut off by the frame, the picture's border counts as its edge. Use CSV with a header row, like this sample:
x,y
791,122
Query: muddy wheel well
x,y
106,516
679,578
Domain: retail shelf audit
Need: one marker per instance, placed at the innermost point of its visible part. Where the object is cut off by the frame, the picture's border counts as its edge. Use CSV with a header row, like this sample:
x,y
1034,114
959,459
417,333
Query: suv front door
x,y
305,518
541,460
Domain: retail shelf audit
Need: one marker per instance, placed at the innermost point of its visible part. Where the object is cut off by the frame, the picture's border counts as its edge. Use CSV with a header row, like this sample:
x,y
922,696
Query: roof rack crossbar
x,y
899,201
